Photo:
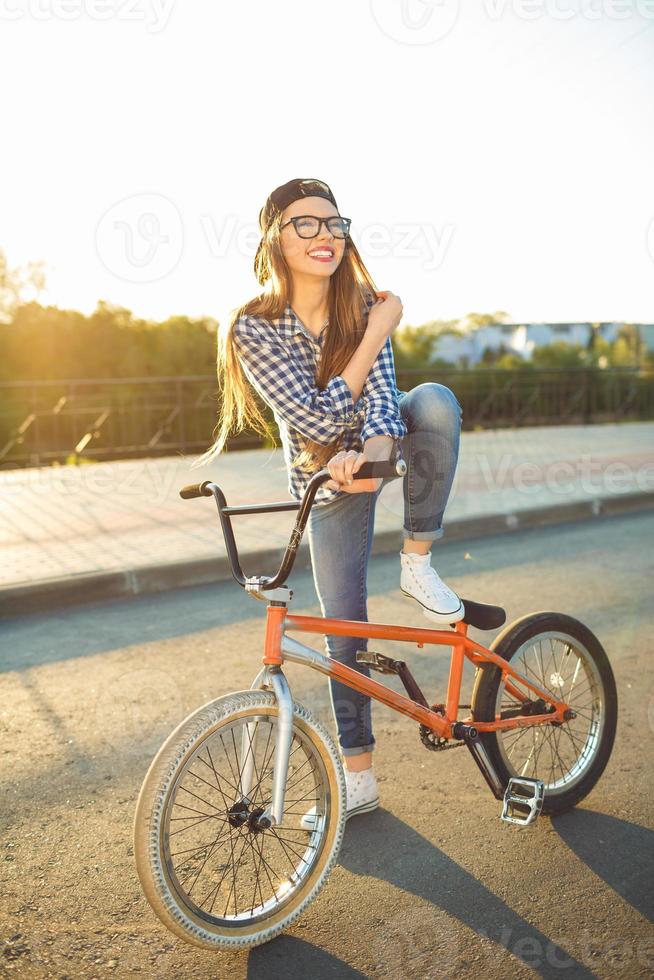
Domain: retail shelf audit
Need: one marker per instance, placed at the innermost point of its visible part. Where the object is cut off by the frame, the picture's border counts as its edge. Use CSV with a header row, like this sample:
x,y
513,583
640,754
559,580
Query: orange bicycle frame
x,y
279,647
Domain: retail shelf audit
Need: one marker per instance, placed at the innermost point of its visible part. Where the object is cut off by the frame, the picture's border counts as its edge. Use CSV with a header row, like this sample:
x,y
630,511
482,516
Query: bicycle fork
x,y
270,677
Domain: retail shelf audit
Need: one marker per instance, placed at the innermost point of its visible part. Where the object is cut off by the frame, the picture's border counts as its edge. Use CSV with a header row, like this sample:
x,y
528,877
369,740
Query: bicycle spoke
x,y
557,757
257,882
291,754
196,796
235,785
211,766
226,865
202,866
190,826
202,847
192,809
228,868
531,752
266,761
195,776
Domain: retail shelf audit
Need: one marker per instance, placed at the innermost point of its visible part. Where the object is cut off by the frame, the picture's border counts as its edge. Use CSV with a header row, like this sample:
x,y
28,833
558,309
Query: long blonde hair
x,y
349,288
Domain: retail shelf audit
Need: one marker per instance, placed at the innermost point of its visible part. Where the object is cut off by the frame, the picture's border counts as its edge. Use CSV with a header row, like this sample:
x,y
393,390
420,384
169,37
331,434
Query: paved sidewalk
x,y
72,534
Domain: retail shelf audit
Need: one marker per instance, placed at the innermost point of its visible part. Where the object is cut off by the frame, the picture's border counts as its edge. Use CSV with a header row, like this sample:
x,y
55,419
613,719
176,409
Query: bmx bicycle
x,y
220,847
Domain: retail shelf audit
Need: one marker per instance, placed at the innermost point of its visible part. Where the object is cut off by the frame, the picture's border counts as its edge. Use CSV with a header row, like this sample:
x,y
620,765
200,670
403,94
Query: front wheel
x,y
564,658
211,875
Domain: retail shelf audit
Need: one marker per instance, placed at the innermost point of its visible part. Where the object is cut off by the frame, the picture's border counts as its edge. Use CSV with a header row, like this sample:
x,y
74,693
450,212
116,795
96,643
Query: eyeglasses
x,y
308,225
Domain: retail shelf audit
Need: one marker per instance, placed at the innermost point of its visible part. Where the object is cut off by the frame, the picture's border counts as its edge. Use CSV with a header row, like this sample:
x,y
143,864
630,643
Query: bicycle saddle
x,y
482,615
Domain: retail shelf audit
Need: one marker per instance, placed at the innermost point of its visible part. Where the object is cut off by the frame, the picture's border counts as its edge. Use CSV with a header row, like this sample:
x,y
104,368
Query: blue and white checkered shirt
x,y
279,358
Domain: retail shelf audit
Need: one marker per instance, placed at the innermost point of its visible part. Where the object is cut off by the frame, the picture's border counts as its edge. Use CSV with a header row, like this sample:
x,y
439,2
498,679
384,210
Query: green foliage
x,y
47,343
559,354
415,347
513,362
472,321
18,282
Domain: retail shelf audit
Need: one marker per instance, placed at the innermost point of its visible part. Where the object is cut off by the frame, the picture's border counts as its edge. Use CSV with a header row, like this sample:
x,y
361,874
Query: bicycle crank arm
x,y
470,736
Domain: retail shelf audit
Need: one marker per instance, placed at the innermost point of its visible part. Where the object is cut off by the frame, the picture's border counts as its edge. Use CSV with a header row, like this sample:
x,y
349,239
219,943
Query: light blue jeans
x,y
341,532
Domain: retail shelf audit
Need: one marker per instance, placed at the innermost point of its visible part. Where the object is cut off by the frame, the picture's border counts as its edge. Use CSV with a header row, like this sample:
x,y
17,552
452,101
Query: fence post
x,y
587,395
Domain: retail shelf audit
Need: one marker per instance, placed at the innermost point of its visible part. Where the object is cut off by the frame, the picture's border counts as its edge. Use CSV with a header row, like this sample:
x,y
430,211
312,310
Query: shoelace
x,y
438,584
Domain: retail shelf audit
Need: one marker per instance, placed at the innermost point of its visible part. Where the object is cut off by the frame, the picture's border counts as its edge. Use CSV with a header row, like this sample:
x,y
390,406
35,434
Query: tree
x,y
46,343
491,355
16,283
628,345
472,321
513,362
417,346
559,354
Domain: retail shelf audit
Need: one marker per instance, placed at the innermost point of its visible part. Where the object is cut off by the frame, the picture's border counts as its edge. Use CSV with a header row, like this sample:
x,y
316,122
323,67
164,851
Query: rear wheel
x,y
209,873
565,659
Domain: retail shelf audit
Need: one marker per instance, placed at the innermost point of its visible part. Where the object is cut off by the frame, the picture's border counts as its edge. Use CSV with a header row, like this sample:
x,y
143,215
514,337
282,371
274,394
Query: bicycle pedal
x,y
523,800
377,661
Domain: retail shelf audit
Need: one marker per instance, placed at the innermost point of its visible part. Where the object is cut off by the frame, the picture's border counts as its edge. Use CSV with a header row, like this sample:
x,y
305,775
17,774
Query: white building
x,y
523,338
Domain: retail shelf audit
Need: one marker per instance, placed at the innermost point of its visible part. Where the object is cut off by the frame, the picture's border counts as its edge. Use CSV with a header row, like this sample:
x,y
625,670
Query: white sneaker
x,y
421,582
362,796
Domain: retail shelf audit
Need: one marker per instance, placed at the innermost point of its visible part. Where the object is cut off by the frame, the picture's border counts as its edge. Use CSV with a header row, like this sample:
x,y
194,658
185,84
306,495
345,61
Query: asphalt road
x,y
432,884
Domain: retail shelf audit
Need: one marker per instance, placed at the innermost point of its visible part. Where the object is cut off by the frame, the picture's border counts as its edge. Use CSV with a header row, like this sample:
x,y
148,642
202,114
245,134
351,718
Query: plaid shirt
x,y
279,359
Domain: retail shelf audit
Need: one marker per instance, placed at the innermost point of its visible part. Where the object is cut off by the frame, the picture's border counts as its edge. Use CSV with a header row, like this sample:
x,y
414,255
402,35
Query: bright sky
x,y
497,157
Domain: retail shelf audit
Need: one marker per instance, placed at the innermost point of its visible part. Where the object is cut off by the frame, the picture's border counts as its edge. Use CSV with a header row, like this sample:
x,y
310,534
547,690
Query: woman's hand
x,y
342,466
384,315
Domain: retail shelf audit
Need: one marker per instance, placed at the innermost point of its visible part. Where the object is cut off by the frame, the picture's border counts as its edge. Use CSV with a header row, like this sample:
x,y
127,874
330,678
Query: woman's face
x,y
298,251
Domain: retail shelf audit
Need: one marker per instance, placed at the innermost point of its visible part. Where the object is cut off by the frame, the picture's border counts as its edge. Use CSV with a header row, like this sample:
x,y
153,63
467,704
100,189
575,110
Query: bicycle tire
x,y
157,799
488,698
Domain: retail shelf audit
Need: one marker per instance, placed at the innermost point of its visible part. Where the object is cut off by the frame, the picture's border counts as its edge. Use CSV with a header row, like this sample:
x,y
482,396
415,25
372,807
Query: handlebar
x,y
370,469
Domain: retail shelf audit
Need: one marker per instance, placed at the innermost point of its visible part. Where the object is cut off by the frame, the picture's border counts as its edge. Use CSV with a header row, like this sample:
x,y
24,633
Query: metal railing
x,y
117,418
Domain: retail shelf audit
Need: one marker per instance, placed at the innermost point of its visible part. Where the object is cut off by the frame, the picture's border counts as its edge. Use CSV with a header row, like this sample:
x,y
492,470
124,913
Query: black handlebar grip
x,y
380,468
195,490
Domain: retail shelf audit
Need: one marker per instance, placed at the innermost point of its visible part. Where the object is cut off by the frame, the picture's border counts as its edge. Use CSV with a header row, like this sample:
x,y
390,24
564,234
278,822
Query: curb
x,y
72,590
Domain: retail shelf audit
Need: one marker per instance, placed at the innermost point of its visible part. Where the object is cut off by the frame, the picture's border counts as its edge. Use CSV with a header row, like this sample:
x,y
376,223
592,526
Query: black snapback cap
x,y
291,191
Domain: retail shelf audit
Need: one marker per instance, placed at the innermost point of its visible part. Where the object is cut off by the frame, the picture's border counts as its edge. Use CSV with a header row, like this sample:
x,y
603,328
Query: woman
x,y
316,346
